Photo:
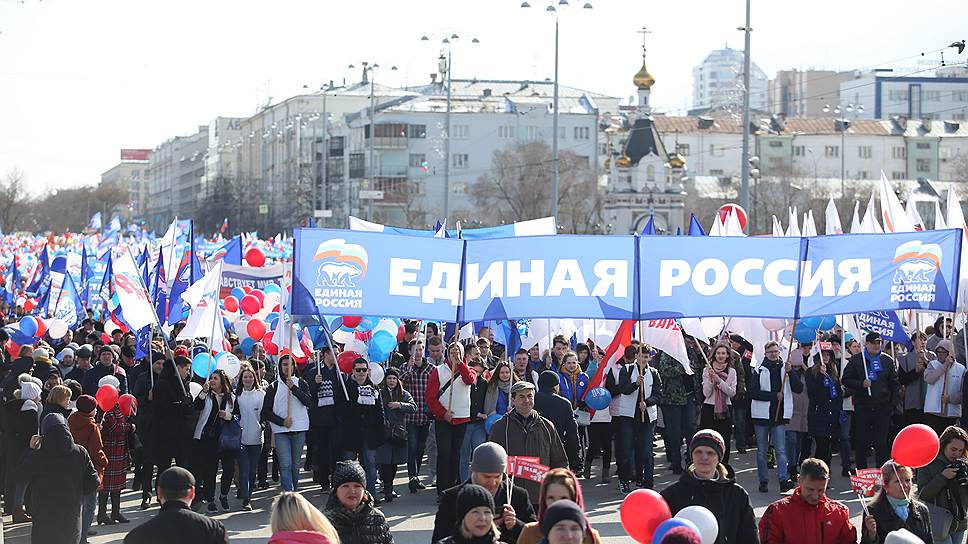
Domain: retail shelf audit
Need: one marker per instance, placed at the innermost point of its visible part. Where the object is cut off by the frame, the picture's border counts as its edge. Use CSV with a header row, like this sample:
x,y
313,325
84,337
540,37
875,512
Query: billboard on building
x,y
135,154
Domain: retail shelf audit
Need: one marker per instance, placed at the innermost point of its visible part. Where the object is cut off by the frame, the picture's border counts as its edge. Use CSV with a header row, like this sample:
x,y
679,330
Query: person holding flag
x,y
872,376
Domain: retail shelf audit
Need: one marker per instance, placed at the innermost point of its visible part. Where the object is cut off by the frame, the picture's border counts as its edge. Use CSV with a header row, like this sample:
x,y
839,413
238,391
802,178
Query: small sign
x,y
322,214
371,195
263,209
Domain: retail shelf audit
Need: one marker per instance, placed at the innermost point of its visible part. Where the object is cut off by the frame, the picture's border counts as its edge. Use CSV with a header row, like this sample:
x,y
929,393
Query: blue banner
x,y
886,324
549,276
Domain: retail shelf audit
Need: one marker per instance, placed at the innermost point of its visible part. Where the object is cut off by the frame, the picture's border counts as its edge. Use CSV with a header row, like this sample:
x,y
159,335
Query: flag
x,y
68,306
142,345
855,226
95,223
285,333
809,225
85,276
225,225
129,294
180,281
717,228
206,288
666,335
159,294
649,229
939,223
793,227
613,354
893,214
115,224
205,319
231,252
870,223
777,228
41,277
912,212
832,219
956,220
695,227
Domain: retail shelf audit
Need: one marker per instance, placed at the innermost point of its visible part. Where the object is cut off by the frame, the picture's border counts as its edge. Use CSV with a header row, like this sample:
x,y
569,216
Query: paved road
x,y
411,517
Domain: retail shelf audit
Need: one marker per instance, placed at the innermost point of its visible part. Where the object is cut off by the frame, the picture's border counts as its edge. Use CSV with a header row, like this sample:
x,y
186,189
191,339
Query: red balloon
x,y
915,446
247,289
255,257
642,511
257,293
106,338
352,321
107,397
256,329
401,333
250,305
231,303
345,361
271,347
13,349
41,328
128,404
737,210
30,304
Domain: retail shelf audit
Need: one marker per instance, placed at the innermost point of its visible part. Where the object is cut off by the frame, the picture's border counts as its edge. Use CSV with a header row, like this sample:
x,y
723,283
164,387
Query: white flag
x,y
665,335
855,225
777,228
733,227
132,296
956,220
793,227
912,212
893,214
809,225
939,223
205,288
285,335
832,219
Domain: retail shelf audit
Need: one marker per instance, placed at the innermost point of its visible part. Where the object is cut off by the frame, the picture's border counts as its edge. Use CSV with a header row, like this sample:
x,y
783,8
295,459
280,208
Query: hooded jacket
x,y
87,434
791,520
364,525
726,499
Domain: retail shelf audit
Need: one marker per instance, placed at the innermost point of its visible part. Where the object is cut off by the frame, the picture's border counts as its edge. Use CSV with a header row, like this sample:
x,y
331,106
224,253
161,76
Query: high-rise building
x,y
175,176
806,93
131,176
717,83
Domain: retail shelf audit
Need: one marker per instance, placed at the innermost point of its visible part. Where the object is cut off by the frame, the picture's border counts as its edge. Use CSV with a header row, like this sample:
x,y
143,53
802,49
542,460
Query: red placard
x,y
528,468
865,481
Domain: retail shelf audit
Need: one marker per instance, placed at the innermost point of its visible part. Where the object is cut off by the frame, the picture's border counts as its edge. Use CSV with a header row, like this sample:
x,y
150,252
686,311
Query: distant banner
x,y
244,276
622,277
886,324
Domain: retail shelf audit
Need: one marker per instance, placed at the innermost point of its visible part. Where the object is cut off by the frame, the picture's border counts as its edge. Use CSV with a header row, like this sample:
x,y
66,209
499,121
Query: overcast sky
x,y
82,79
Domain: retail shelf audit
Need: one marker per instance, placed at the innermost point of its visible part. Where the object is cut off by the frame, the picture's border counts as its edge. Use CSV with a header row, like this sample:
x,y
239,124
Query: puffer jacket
x,y
939,492
533,436
918,521
365,525
726,499
791,520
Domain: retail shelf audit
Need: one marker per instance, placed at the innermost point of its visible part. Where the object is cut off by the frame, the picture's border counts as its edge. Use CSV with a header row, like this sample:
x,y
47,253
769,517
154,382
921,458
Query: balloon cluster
x,y
647,519
373,338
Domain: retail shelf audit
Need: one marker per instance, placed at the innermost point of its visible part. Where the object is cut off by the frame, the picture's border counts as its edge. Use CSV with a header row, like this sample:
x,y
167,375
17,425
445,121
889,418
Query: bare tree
x,y
13,200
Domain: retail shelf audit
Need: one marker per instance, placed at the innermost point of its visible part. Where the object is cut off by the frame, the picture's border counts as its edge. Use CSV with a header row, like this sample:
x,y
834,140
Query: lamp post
x,y
843,125
744,194
554,138
370,68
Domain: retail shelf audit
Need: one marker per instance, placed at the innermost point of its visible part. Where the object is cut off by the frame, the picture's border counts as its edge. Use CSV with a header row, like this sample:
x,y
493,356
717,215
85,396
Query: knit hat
x,y
489,458
681,535
521,386
548,380
65,353
29,390
392,371
41,355
902,536
348,472
86,404
181,351
563,510
710,439
470,497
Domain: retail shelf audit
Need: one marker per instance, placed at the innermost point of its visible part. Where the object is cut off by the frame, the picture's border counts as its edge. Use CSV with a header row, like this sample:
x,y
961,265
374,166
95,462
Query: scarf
x,y
573,378
900,506
720,409
493,396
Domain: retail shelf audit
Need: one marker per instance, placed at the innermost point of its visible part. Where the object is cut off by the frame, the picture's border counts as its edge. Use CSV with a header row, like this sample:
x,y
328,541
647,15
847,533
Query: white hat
x,y
902,536
110,380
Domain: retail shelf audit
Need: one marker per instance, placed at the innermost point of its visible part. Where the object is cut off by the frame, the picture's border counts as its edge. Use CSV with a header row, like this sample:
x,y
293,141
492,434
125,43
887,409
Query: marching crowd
x,y
452,413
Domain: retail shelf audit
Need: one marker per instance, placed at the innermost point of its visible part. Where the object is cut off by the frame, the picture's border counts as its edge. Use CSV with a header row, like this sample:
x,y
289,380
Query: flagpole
x,y
641,372
154,315
783,382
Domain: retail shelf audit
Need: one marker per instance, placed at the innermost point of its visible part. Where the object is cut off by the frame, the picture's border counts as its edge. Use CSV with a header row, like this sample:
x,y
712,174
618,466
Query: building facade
x,y
885,94
131,177
175,175
806,93
717,82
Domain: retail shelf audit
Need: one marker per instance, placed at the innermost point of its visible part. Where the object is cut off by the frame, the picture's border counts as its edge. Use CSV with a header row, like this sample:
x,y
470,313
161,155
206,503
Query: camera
x,y
961,477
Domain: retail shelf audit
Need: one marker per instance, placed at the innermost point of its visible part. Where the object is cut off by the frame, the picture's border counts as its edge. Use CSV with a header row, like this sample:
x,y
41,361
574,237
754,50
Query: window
x,y
958,117
336,146
582,133
897,175
961,96
533,133
460,160
945,152
931,96
461,132
716,172
923,165
924,145
897,96
505,132
458,188
865,152
391,130
862,174
776,143
417,131
799,151
135,174
775,162
898,152
650,172
682,149
418,160
357,165
335,169
831,151
715,151
603,148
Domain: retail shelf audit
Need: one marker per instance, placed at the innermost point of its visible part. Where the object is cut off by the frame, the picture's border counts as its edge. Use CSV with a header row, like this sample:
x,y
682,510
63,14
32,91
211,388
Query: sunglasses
x,y
360,369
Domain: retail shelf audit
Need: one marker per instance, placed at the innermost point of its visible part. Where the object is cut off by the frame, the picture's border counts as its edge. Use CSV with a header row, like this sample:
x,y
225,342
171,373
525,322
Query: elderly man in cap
x,y
872,376
524,432
176,522
82,363
488,466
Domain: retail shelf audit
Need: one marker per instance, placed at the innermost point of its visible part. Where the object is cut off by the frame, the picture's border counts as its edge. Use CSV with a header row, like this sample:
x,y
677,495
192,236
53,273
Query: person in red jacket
x,y
808,516
449,400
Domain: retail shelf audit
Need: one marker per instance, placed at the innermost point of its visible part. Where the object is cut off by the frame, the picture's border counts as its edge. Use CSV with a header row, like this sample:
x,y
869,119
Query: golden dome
x,y
643,79
623,162
677,161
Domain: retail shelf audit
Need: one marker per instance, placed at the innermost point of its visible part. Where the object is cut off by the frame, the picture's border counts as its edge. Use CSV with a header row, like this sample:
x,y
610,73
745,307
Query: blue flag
x,y
177,309
231,252
95,223
85,277
41,278
68,306
142,346
649,229
695,228
887,325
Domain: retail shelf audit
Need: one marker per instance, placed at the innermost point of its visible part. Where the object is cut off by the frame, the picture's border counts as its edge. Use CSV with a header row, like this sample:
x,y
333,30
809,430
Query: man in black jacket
x,y
558,410
488,465
326,388
176,522
872,376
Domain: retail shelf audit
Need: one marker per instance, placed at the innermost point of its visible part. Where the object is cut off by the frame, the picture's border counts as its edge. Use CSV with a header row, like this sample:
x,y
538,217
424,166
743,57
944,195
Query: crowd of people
x,y
453,412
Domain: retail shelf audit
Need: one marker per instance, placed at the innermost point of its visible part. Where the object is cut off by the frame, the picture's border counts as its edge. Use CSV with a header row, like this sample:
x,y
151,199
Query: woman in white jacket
x,y
942,397
249,397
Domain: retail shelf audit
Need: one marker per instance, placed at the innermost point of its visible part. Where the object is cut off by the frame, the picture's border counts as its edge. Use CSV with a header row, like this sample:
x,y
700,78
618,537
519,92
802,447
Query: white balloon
x,y
388,325
356,345
230,364
376,373
194,389
712,326
774,324
271,300
56,328
109,380
704,520
343,337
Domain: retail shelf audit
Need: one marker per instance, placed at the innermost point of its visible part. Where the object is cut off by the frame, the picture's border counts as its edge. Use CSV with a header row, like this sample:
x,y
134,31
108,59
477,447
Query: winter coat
x,y
115,429
885,390
98,371
87,434
446,519
391,453
18,427
918,521
171,422
20,365
59,474
177,523
791,520
939,492
327,396
823,416
361,423
727,501
531,534
299,537
573,389
801,405
559,412
532,436
365,525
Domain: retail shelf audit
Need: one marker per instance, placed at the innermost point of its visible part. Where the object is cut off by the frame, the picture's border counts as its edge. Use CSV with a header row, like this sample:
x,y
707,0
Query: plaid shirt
x,y
415,380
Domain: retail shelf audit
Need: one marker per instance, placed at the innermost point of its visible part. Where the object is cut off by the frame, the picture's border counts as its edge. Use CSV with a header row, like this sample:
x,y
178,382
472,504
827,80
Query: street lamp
x,y
371,67
843,125
744,195
554,138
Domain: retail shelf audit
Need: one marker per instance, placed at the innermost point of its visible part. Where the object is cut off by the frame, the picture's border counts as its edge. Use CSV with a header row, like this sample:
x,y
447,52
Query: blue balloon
x,y
368,323
670,524
598,398
227,324
384,340
272,288
376,354
247,346
490,421
272,316
237,292
28,326
804,333
812,323
203,365
827,322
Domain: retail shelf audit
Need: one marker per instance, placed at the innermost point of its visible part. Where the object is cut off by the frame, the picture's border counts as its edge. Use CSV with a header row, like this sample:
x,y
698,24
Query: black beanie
x,y
548,380
470,497
347,472
562,510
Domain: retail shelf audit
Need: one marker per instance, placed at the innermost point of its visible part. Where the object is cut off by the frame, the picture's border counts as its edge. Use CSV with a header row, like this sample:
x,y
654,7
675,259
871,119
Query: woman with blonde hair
x,y
895,507
294,520
558,484
475,514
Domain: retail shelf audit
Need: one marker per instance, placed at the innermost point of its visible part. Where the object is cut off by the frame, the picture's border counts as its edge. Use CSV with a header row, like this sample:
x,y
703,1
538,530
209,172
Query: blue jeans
x,y
845,445
289,448
88,508
680,424
474,437
764,432
644,441
625,456
416,443
368,460
792,447
248,463
740,411
954,538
